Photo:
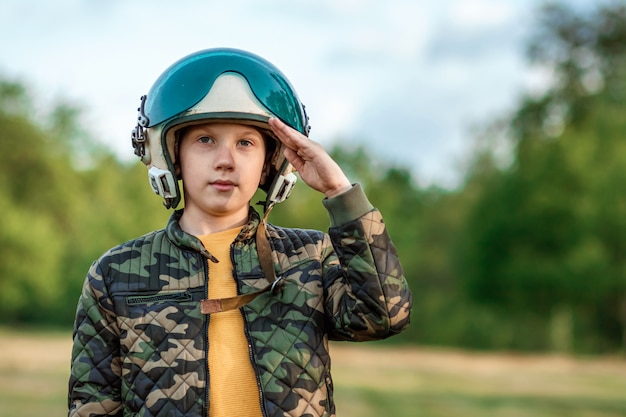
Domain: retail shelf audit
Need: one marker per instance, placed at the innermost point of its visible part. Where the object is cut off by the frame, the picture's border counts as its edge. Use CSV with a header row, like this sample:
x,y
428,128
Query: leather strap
x,y
265,253
216,305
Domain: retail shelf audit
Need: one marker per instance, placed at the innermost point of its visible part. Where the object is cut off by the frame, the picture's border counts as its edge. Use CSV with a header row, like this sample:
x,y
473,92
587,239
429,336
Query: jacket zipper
x,y
248,338
253,362
207,317
147,299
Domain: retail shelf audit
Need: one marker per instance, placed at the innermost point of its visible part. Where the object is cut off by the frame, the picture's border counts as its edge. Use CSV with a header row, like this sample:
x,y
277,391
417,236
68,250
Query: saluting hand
x,y
315,166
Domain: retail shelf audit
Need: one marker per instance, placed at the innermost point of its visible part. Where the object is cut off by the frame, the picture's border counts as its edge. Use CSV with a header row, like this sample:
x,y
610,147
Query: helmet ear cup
x,y
163,183
281,189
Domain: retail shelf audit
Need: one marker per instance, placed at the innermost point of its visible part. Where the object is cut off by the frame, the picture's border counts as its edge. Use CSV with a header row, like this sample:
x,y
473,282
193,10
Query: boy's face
x,y
221,167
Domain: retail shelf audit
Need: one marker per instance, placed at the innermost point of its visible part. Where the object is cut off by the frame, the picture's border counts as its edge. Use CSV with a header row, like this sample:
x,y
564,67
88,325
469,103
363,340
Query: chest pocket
x,y
151,321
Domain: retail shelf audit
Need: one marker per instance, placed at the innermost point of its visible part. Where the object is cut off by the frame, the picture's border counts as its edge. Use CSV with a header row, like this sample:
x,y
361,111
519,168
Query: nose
x,y
224,158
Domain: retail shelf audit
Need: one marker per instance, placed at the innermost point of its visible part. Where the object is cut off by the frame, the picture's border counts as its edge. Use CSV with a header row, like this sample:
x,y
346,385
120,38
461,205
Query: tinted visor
x,y
188,80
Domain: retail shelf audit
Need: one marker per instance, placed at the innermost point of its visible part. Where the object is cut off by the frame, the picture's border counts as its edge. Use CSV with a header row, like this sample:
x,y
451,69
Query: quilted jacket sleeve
x,y
94,386
367,295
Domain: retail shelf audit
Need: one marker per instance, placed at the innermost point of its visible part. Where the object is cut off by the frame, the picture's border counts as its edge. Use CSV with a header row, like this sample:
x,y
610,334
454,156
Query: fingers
x,y
287,135
303,148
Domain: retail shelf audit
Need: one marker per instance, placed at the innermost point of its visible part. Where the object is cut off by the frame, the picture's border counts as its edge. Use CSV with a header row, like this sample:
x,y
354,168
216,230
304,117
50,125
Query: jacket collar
x,y
187,241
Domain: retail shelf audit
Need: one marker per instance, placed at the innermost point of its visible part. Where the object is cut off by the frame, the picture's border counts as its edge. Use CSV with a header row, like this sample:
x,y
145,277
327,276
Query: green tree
x,y
66,200
547,236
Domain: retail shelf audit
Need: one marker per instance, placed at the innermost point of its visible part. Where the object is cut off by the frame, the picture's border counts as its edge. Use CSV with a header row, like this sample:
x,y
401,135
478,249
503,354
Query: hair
x,y
270,142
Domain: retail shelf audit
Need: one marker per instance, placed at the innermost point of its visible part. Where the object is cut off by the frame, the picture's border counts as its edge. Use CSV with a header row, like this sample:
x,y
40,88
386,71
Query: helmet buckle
x,y
138,139
138,136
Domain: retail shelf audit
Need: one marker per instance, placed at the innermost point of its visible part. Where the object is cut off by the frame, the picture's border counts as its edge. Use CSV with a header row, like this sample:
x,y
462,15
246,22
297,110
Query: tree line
x,y
527,253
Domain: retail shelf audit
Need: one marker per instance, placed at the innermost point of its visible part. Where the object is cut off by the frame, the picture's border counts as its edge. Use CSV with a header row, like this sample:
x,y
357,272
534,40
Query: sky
x,y
409,79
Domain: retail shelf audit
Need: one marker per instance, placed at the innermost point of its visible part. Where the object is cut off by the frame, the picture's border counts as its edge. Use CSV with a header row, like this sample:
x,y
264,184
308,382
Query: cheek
x,y
185,165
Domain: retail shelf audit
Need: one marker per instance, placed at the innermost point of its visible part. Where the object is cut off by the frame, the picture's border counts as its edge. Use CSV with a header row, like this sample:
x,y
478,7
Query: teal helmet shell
x,y
188,80
187,93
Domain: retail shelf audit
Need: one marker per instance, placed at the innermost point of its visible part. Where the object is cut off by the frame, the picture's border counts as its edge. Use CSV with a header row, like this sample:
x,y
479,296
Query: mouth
x,y
223,185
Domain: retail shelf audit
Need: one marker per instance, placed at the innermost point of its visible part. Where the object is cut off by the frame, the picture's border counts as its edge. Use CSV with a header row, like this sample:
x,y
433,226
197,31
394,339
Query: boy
x,y
221,313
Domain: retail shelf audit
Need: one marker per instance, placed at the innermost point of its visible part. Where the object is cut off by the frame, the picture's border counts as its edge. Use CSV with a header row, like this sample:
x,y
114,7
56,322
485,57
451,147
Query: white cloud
x,y
478,14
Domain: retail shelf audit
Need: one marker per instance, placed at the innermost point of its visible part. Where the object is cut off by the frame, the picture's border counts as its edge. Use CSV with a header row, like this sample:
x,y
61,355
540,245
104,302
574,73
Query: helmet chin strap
x,y
264,251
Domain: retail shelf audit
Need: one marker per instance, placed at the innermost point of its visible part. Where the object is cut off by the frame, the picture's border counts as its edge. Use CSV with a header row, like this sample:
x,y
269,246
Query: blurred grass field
x,y
371,380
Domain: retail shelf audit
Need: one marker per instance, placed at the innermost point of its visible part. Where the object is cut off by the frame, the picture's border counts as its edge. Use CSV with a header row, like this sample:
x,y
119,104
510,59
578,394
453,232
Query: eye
x,y
245,142
205,139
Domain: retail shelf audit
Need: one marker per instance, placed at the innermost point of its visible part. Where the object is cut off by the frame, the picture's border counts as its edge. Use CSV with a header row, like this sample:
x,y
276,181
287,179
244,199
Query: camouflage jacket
x,y
140,340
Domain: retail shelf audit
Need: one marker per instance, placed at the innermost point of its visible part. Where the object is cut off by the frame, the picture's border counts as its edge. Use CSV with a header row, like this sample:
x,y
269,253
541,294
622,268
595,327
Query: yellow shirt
x,y
234,390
